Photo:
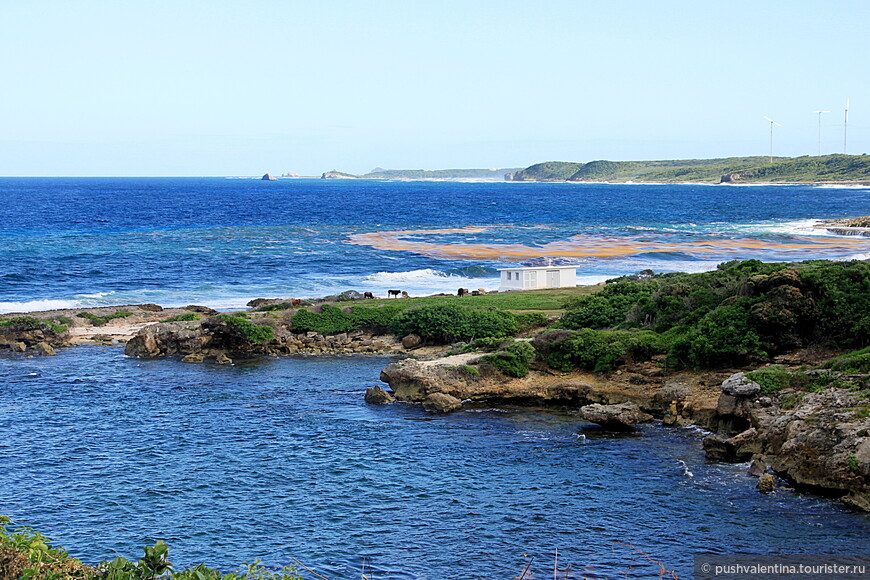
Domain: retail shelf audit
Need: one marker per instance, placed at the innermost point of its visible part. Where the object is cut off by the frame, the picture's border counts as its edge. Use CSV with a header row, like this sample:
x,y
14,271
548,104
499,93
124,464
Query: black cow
x,y
393,293
462,292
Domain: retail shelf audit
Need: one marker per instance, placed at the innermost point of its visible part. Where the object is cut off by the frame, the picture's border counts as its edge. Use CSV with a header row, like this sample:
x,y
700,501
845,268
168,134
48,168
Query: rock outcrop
x,y
620,417
378,396
215,339
269,177
678,399
818,441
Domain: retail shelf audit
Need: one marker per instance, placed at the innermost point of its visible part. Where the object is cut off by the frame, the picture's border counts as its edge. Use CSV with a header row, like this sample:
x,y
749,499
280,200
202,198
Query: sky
x,y
212,87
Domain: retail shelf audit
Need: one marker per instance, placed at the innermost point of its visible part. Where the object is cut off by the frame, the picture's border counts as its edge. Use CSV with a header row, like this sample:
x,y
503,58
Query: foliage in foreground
x,y
247,329
28,554
741,313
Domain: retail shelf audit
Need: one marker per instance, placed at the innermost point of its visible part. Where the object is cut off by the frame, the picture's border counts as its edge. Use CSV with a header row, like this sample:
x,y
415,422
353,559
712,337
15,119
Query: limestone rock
x,y
412,341
378,396
194,357
223,359
44,349
269,177
441,403
766,483
737,385
17,346
621,416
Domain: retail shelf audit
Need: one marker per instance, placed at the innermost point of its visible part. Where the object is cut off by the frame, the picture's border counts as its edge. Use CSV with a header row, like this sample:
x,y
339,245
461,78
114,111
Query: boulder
x,y
619,417
378,396
223,359
194,357
17,346
201,309
44,349
737,385
441,403
269,177
766,483
412,341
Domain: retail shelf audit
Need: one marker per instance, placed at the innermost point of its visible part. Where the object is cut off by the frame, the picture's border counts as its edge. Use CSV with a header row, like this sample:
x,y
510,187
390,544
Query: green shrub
x,y
332,320
599,350
25,323
446,323
774,378
186,317
851,363
488,343
64,320
27,554
852,462
239,314
529,320
101,320
247,329
513,360
471,370
790,400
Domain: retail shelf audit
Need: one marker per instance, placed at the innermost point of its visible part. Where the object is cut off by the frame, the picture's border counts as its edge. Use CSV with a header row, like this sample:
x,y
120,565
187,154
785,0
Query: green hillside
x,y
827,168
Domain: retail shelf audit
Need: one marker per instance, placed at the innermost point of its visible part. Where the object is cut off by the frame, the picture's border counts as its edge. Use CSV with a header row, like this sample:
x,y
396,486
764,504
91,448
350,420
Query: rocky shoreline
x,y
815,441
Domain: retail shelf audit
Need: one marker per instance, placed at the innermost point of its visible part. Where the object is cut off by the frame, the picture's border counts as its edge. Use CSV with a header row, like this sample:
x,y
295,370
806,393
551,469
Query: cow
x,y
481,292
368,296
462,292
393,293
296,302
405,294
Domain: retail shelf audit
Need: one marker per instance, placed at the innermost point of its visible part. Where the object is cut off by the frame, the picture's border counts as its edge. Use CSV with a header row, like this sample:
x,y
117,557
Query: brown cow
x,y
368,296
405,294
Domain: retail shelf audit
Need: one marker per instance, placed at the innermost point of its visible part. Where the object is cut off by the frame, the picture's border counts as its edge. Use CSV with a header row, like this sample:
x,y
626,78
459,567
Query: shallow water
x,y
281,458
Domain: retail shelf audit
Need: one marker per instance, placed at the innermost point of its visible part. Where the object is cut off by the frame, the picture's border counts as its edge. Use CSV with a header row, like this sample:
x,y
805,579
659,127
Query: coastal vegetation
x,y
806,169
741,313
102,320
28,554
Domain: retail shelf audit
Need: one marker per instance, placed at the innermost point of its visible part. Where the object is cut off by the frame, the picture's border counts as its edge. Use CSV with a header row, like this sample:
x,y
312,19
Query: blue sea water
x,y
222,242
281,458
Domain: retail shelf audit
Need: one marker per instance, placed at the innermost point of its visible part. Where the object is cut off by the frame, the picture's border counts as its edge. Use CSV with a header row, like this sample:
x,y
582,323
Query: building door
x,y
530,279
552,278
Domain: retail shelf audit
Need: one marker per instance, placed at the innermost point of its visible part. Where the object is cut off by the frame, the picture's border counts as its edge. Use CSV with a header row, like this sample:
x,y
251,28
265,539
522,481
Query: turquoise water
x,y
281,458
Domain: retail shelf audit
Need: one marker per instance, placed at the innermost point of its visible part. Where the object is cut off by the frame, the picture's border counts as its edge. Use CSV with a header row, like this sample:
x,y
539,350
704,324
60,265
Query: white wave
x,y
410,276
37,305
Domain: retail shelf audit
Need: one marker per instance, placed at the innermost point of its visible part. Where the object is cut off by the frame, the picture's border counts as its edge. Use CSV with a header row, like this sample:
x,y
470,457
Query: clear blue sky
x,y
175,87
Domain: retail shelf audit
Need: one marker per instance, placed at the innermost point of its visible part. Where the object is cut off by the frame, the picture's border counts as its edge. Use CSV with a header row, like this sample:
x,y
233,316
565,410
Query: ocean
x,y
280,458
222,242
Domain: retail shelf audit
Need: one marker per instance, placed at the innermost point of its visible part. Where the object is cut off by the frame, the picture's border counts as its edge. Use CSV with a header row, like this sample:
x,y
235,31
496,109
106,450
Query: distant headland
x,y
833,169
825,169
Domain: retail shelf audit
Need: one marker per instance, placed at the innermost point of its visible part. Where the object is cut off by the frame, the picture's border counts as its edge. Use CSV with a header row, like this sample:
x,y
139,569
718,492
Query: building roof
x,y
574,267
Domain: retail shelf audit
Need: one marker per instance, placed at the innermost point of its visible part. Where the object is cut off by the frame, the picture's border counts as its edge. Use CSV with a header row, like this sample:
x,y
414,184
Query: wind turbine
x,y
820,130
772,123
845,125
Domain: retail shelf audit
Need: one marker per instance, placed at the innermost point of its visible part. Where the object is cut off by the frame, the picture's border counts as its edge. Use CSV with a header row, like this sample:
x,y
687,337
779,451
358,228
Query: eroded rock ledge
x,y
815,441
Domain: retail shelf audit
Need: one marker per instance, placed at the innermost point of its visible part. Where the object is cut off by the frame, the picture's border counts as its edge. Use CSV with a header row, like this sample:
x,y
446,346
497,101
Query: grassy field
x,y
547,301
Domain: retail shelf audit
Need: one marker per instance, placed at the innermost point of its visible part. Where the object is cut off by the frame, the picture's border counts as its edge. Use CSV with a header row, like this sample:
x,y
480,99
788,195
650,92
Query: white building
x,y
532,277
